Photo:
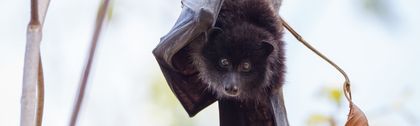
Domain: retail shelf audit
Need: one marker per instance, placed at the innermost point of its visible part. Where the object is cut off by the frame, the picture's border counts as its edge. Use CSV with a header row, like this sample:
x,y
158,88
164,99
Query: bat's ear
x,y
267,48
213,32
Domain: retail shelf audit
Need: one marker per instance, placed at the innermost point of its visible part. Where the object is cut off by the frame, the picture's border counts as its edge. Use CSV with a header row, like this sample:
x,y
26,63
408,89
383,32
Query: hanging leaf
x,y
356,117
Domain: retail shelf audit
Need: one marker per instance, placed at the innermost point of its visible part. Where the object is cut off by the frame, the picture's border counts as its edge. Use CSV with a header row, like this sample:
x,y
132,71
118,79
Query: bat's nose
x,y
231,90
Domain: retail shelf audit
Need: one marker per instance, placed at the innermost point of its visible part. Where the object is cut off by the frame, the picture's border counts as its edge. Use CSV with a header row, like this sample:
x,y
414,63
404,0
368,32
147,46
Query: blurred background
x,y
377,42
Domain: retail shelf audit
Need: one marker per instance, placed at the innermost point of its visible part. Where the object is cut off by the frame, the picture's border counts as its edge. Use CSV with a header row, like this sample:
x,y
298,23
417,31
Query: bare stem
x,y
346,85
30,76
40,107
32,100
85,75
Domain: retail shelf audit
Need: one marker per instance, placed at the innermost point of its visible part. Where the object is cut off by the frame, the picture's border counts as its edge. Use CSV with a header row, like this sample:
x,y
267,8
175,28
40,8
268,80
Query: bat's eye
x,y
246,67
224,63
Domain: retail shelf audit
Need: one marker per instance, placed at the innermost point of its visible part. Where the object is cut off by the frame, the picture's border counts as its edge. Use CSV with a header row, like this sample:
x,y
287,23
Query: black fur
x,y
245,31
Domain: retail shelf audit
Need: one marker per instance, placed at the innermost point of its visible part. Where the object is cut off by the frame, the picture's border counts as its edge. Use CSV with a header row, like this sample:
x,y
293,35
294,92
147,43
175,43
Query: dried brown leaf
x,y
356,117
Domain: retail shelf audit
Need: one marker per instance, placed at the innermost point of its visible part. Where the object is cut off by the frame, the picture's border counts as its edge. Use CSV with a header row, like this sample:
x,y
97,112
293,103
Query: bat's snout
x,y
231,85
231,90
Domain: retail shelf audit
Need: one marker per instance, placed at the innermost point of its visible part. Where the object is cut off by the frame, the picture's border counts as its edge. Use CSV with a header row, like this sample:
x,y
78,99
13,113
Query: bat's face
x,y
235,61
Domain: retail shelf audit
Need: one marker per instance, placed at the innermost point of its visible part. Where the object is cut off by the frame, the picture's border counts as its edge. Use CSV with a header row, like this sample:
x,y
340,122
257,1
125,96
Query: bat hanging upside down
x,y
228,51
242,57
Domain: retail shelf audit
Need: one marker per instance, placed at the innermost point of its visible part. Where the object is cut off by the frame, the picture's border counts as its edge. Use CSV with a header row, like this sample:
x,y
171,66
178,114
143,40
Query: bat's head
x,y
235,61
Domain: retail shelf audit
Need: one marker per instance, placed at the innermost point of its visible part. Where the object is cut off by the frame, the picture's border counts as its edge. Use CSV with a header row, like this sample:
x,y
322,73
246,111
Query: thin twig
x,y
346,86
356,117
85,75
34,13
41,88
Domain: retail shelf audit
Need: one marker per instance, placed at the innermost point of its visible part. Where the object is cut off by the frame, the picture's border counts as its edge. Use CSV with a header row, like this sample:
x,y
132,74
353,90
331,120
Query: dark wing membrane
x,y
196,18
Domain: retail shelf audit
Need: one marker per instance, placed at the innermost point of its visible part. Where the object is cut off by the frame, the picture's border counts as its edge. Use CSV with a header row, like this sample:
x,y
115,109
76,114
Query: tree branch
x,y
32,100
85,75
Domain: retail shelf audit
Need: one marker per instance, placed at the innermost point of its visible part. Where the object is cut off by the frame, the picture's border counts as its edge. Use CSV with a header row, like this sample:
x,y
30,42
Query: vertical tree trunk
x,y
32,100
